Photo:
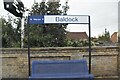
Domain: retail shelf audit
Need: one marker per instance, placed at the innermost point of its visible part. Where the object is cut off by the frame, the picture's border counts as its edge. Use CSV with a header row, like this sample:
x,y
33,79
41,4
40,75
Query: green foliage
x,y
10,35
46,35
105,36
52,35
77,43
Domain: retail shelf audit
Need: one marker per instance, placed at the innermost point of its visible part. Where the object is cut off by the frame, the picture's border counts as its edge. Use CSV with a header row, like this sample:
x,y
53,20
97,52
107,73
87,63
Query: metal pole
x,y
89,46
29,64
22,31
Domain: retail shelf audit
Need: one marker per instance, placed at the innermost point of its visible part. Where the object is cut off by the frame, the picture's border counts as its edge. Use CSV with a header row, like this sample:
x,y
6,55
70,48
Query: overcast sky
x,y
104,14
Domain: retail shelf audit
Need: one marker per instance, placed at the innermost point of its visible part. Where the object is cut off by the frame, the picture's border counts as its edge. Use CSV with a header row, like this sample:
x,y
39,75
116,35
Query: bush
x,y
77,43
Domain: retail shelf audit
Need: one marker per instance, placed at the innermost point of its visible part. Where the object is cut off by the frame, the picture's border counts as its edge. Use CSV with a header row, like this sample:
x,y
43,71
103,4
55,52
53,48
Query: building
x,y
114,37
77,36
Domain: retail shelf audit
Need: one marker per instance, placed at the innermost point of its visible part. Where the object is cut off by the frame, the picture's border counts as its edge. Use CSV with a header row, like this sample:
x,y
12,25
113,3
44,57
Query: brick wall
x,y
105,60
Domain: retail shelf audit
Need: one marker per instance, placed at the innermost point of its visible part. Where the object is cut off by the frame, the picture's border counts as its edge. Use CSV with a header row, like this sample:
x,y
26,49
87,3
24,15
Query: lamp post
x,y
22,30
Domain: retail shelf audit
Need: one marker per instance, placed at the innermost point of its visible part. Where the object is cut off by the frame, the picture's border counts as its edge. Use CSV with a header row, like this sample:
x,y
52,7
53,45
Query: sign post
x,y
60,19
29,61
89,25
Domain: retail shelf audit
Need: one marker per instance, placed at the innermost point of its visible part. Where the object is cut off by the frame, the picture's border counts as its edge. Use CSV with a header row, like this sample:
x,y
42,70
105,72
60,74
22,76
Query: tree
x,y
7,33
105,36
17,33
46,35
10,35
51,35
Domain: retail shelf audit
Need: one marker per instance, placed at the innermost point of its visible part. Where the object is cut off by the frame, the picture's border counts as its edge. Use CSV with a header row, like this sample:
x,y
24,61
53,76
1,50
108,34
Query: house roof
x,y
77,35
115,33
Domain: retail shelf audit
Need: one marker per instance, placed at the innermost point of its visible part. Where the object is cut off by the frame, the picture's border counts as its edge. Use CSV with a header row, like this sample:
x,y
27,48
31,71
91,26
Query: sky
x,y
103,13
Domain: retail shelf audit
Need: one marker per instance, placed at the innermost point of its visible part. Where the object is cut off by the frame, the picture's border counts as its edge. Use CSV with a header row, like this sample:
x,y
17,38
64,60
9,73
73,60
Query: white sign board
x,y
68,19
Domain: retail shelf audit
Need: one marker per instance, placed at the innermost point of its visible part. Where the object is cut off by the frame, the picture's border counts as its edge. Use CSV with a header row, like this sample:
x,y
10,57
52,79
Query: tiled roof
x,y
77,35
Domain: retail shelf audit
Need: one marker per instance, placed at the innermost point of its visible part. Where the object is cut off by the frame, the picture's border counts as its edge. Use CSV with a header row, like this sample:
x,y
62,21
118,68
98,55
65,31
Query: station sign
x,y
58,19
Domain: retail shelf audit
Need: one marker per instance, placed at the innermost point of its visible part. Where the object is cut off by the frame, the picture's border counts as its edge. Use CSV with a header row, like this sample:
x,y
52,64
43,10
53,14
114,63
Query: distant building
x,y
77,36
114,37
